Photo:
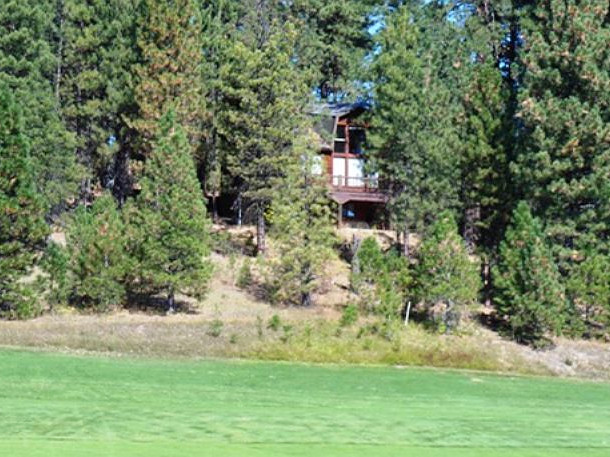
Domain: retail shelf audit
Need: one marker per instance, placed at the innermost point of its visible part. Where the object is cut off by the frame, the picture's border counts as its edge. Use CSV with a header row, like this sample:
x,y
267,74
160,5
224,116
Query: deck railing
x,y
353,184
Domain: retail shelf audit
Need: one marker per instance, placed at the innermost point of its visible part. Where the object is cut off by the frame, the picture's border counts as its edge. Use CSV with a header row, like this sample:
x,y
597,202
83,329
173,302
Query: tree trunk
x,y
121,181
306,299
239,218
261,238
406,249
214,209
472,217
487,281
356,242
171,304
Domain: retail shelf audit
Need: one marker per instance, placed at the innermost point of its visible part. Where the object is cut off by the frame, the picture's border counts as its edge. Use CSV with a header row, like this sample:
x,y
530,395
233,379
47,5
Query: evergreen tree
x,y
302,229
54,263
588,289
168,75
263,109
28,66
413,137
220,20
381,279
167,222
447,279
22,226
96,51
98,263
564,167
334,42
484,163
529,294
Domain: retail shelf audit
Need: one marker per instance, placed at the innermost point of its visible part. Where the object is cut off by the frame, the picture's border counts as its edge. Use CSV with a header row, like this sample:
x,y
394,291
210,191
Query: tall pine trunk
x,y
214,209
306,279
406,249
472,218
261,236
171,301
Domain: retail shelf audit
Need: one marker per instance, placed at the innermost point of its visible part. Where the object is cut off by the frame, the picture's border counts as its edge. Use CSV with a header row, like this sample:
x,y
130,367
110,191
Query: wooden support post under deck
x,y
340,215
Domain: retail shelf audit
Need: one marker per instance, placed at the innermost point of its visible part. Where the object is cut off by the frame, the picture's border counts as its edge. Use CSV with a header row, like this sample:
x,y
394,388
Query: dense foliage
x,y
381,279
22,227
413,135
168,233
529,289
98,262
447,279
302,231
474,106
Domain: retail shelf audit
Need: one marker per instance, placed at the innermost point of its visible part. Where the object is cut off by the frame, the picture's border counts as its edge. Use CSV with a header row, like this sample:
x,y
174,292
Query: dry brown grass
x,y
231,322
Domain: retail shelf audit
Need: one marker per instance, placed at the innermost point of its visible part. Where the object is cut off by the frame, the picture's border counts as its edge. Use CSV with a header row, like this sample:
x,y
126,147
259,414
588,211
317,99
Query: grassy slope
x,y
56,405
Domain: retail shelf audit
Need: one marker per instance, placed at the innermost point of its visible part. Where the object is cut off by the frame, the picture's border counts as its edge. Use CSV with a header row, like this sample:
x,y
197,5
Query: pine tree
x,y
529,294
169,73
96,52
564,166
54,263
446,277
381,279
22,226
263,109
28,66
413,137
588,289
98,263
333,42
220,28
302,229
167,222
484,159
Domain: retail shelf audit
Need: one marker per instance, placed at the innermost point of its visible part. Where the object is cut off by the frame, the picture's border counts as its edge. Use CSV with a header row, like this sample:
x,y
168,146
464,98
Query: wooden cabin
x,y
359,195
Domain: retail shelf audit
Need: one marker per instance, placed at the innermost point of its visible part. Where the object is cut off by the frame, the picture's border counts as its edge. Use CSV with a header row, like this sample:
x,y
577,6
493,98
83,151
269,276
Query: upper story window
x,y
341,139
349,139
356,140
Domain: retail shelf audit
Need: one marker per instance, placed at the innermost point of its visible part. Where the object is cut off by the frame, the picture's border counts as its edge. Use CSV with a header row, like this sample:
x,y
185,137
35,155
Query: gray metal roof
x,y
338,109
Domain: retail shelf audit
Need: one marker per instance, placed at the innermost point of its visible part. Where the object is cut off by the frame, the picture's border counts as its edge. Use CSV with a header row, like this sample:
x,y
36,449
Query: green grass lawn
x,y
55,405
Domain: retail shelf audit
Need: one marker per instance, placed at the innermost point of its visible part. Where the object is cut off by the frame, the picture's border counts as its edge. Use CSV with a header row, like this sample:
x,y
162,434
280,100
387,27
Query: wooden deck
x,y
345,190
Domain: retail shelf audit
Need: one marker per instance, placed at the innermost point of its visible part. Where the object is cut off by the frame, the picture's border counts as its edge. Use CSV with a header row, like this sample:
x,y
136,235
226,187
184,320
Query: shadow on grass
x,y
156,304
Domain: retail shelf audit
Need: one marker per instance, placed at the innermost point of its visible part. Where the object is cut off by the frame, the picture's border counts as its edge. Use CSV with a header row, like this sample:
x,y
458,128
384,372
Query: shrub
x,y
274,323
447,280
215,329
349,315
244,276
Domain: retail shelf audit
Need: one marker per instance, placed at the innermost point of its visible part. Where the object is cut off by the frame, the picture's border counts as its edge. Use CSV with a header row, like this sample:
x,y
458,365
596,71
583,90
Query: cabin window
x,y
338,171
356,140
355,172
341,139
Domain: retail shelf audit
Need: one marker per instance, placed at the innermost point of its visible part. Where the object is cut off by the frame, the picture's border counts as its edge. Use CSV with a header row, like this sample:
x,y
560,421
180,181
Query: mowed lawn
x,y
54,405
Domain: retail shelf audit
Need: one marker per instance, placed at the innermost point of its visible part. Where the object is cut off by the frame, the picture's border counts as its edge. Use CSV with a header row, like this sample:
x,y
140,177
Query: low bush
x,y
244,276
349,315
